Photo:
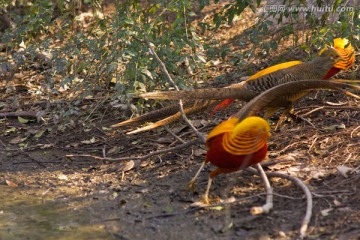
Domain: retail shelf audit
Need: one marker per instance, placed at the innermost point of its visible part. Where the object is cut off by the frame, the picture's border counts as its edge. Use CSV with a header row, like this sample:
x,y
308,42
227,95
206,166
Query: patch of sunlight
x,y
24,216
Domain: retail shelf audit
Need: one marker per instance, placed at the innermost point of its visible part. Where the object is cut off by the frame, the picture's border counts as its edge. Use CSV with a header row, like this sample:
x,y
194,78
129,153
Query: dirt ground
x,y
48,195
151,201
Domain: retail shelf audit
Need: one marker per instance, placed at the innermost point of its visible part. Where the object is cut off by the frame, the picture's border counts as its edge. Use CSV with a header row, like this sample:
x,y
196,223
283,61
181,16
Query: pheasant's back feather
x,y
273,69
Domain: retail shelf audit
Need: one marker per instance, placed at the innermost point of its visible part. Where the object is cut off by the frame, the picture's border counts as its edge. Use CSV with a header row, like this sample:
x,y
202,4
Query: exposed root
x,y
266,208
184,145
302,186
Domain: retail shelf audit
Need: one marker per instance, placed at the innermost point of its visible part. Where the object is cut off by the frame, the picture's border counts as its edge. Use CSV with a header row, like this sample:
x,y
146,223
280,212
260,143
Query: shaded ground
x,y
46,195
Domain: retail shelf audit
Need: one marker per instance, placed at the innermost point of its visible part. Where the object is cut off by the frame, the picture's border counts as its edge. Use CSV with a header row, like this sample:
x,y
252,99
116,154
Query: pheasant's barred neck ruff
x,y
244,144
330,55
246,137
346,52
348,59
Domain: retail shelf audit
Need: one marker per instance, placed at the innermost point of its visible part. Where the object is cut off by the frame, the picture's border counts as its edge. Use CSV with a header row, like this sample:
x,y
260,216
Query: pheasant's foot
x,y
261,209
205,201
191,185
280,121
294,117
307,121
298,118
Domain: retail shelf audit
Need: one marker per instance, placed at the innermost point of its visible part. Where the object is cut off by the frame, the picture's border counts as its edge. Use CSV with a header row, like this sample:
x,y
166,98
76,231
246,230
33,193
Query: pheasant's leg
x,y
280,121
205,197
191,184
289,111
270,111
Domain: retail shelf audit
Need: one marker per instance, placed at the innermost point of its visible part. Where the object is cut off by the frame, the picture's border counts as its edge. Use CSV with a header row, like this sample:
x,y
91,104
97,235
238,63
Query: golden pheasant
x,y
265,79
241,141
234,145
344,49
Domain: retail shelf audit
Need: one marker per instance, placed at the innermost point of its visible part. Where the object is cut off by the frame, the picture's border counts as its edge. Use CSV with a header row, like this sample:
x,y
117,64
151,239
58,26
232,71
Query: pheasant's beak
x,y
265,132
322,50
268,134
339,58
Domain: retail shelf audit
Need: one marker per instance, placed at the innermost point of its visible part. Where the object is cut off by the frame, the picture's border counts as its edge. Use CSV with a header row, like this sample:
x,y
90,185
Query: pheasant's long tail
x,y
207,93
197,107
155,115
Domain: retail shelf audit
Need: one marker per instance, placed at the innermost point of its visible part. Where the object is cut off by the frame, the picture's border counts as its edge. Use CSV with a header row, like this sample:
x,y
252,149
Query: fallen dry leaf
x,y
11,183
16,140
127,166
199,152
326,212
343,170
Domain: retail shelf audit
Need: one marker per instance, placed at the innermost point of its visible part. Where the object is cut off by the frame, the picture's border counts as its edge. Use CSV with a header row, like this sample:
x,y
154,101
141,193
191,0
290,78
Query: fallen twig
x,y
317,108
351,135
184,145
24,114
173,134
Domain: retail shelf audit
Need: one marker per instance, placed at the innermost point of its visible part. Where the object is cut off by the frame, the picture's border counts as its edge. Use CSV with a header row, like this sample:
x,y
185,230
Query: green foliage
x,y
4,3
112,50
292,20
102,51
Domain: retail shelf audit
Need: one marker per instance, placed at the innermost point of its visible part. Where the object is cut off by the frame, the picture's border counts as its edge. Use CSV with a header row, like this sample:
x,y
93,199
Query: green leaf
x,y
217,208
336,4
22,120
192,14
13,129
39,134
153,8
273,45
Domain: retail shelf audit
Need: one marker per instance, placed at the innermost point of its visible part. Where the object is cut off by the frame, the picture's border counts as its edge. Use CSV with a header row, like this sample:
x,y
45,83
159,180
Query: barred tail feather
x,y
197,107
208,93
154,115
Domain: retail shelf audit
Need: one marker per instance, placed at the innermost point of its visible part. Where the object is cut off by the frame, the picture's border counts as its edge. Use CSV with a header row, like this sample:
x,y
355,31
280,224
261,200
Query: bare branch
x,y
24,114
173,134
163,68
